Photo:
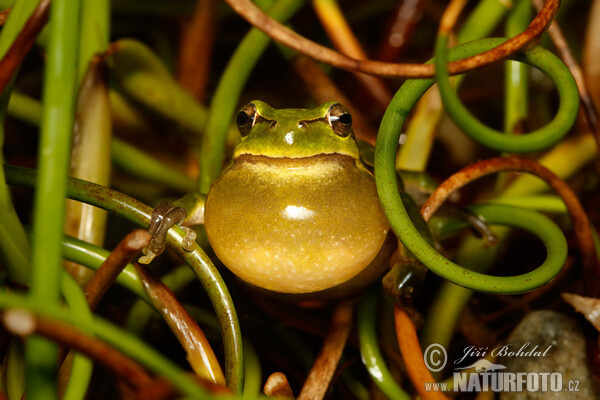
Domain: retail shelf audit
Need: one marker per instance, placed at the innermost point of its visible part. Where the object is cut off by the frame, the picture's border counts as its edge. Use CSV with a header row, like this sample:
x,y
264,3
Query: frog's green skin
x,y
296,211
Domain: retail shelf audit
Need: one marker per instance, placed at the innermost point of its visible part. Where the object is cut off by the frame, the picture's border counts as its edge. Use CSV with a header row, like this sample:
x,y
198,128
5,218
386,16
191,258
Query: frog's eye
x,y
246,118
340,120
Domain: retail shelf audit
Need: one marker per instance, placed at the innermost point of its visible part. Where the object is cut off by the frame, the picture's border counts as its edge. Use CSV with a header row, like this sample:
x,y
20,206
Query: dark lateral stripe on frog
x,y
305,122
259,119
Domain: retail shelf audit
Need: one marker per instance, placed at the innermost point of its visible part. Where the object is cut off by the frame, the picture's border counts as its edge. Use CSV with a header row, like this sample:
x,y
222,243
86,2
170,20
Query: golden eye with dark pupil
x,y
340,120
245,119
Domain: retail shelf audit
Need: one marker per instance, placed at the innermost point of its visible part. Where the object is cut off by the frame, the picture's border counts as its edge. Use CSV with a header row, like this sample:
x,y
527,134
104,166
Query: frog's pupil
x,y
345,119
242,118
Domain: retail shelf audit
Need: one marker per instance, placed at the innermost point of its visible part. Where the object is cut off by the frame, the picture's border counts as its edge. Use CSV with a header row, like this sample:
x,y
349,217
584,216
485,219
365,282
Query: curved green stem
x,y
119,339
92,256
534,141
421,129
139,213
389,195
94,33
230,86
369,348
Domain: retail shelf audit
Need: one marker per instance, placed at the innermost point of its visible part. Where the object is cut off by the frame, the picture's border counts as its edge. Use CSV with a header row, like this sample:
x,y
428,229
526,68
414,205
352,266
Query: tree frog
x,y
295,211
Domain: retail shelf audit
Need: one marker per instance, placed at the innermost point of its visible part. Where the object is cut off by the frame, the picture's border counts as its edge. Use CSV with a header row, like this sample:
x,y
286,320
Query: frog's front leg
x,y
186,212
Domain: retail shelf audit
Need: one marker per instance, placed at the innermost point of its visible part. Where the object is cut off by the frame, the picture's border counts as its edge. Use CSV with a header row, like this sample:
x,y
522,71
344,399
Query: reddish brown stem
x,y
278,386
400,28
322,371
196,49
282,34
22,44
581,224
413,355
24,323
113,265
562,46
199,352
591,48
340,33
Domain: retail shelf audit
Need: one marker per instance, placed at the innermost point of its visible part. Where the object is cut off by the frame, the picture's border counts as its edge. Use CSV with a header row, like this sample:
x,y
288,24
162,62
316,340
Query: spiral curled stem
x,y
581,223
389,194
537,140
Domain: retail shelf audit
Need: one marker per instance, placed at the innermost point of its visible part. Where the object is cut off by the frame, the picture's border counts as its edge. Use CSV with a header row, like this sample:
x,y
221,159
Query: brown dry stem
x,y
412,354
24,323
581,224
278,386
113,265
400,29
318,380
590,111
23,43
199,352
282,34
591,48
339,32
196,49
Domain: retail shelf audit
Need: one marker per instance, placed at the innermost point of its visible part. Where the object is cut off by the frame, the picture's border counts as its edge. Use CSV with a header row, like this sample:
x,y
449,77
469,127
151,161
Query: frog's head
x,y
295,132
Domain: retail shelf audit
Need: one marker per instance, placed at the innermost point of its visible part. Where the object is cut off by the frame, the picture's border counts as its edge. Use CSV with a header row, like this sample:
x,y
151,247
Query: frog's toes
x,y
148,256
163,217
189,239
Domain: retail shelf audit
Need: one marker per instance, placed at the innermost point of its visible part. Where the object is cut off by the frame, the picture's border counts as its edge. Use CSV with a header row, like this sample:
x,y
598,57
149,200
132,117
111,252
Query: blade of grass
x,y
94,32
49,204
14,246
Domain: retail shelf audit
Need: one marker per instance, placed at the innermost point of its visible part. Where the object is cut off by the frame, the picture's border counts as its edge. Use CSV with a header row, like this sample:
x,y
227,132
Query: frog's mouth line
x,y
341,160
291,161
